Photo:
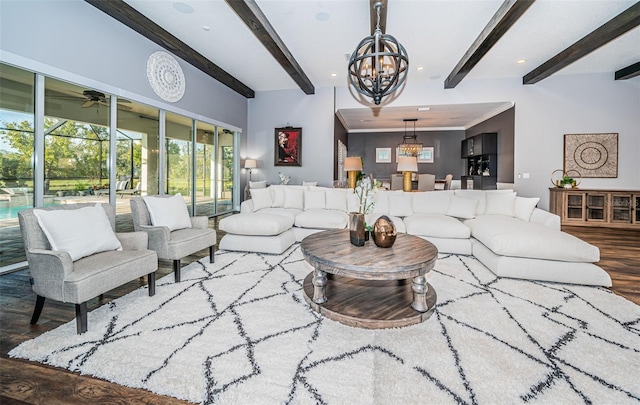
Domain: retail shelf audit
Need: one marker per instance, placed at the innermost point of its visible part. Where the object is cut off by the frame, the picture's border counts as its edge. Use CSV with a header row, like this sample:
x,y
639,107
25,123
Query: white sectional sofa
x,y
506,232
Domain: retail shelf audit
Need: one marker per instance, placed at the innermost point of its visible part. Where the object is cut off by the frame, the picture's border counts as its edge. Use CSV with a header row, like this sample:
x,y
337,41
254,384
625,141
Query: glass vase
x,y
356,228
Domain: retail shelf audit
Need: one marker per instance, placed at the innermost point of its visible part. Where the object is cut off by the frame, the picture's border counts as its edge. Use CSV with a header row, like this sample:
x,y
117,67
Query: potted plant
x,y
568,181
81,188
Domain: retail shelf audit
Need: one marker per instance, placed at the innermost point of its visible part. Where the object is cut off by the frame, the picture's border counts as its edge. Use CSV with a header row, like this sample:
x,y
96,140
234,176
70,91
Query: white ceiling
x,y
436,34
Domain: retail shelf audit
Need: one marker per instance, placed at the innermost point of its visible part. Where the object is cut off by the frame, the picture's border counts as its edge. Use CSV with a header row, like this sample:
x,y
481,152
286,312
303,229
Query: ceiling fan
x,y
91,98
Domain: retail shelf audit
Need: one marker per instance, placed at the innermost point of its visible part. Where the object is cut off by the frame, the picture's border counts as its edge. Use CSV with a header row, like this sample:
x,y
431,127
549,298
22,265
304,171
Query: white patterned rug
x,y
239,332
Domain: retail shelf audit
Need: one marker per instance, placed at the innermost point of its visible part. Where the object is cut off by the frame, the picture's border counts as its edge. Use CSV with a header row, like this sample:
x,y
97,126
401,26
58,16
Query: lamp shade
x,y
407,164
250,164
352,164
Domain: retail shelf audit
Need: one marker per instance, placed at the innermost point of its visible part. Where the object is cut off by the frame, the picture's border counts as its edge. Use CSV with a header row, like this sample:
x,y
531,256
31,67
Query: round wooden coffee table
x,y
367,286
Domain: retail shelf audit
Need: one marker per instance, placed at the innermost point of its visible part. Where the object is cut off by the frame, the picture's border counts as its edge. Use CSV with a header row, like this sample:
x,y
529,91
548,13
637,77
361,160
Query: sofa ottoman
x,y
257,232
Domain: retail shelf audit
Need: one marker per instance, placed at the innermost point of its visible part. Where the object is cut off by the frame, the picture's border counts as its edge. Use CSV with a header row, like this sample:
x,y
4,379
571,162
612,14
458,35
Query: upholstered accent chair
x,y
447,181
426,182
396,182
59,275
173,244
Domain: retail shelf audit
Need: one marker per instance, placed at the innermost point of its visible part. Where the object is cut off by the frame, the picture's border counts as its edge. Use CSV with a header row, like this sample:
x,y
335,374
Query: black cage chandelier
x,y
379,65
410,145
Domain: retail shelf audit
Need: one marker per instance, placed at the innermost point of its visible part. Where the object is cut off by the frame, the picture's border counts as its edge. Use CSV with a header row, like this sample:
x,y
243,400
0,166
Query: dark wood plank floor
x,y
23,382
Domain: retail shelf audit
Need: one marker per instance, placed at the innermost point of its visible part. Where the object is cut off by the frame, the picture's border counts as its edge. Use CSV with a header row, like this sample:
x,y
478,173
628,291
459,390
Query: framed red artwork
x,y
288,142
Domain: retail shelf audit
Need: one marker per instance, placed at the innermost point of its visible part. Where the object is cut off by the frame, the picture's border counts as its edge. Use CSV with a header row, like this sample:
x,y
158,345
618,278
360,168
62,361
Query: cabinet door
x,y
597,207
621,208
574,206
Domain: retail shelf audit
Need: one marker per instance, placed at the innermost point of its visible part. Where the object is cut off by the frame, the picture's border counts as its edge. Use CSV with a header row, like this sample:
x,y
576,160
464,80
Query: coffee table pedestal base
x,y
370,304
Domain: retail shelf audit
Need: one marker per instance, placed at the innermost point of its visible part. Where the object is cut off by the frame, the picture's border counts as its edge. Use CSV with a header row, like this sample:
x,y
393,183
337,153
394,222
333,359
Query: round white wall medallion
x,y
165,76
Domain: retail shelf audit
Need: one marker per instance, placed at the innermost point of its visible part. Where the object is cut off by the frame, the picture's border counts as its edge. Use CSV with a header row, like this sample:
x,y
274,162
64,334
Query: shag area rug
x,y
239,332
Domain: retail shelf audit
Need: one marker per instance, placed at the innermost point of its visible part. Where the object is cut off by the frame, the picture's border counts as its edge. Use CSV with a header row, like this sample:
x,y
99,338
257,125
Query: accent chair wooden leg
x,y
212,255
37,310
176,270
81,317
151,280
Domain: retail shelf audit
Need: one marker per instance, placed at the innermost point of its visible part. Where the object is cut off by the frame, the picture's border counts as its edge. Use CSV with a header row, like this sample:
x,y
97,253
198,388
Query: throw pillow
x,y
400,205
261,198
313,199
277,196
258,184
336,200
294,198
460,207
81,232
171,212
500,203
524,207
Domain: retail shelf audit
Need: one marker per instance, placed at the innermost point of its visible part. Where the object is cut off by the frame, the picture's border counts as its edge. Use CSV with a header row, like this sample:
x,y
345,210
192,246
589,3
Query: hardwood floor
x,y
24,382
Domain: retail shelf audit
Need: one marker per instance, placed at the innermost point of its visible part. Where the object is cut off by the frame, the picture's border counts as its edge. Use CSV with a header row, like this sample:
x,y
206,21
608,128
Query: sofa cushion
x,y
335,200
81,232
322,219
500,203
436,225
258,224
294,198
277,196
381,201
478,195
431,202
258,184
285,212
171,212
523,207
508,236
261,198
460,207
400,205
314,199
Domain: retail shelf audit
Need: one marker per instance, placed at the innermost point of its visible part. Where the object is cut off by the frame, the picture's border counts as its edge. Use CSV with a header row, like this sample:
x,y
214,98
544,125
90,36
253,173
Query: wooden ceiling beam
x,y
373,15
133,19
628,72
508,13
257,22
623,22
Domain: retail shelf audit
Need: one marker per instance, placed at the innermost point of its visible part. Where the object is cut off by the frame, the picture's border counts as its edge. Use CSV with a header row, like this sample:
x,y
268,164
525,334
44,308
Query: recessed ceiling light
x,y
424,108
206,28
183,7
420,68
323,16
521,61
435,77
334,74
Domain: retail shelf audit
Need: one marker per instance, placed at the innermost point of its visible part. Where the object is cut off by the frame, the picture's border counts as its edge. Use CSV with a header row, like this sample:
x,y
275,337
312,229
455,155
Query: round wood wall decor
x,y
165,76
591,155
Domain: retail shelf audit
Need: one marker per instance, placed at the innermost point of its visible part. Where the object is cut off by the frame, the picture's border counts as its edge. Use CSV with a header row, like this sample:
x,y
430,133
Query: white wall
x,y
544,112
275,109
75,41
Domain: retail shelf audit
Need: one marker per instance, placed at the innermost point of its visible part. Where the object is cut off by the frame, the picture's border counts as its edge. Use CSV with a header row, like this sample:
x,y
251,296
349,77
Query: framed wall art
x,y
383,155
591,155
426,156
288,143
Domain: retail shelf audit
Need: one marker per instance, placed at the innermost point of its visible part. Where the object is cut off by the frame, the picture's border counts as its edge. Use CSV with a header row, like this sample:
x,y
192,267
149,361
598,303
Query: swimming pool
x,y
12,212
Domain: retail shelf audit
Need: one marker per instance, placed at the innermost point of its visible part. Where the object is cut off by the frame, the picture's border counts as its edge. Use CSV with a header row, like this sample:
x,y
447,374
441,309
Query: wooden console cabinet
x,y
593,207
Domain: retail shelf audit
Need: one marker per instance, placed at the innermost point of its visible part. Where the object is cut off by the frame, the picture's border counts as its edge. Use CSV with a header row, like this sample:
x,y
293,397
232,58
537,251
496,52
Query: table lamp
x,y
352,165
250,164
406,165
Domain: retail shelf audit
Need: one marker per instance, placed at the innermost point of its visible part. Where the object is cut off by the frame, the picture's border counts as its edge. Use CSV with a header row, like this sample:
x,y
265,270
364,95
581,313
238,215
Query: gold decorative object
x,y
406,165
384,232
568,179
352,165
